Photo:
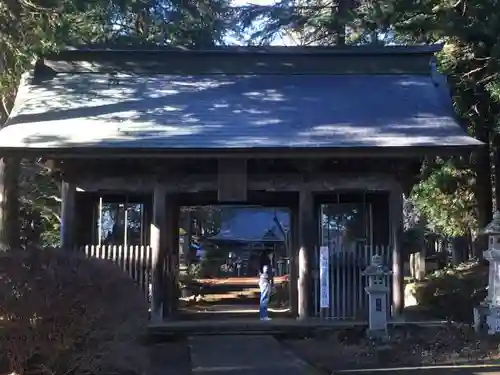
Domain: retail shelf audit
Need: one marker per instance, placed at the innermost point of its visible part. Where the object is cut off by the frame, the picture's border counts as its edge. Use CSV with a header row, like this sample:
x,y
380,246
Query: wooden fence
x,y
135,260
347,295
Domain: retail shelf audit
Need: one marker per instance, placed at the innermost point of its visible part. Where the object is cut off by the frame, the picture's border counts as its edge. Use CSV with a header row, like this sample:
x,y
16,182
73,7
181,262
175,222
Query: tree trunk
x,y
10,237
188,237
338,22
470,245
496,168
483,189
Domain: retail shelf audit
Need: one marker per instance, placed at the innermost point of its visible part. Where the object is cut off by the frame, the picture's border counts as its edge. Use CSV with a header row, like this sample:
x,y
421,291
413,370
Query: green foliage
x,y
452,293
28,29
316,22
40,205
446,200
448,197
195,271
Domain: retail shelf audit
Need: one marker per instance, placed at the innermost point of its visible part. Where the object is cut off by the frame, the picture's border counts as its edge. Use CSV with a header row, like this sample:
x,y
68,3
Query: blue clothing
x,y
265,296
265,284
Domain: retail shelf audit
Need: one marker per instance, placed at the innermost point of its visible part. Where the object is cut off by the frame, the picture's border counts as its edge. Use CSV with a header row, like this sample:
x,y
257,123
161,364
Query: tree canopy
x,y
31,28
456,196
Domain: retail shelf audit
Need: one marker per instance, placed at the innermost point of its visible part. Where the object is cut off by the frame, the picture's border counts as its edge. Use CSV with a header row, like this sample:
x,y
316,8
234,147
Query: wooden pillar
x,y
396,230
306,244
68,202
170,286
293,255
158,246
86,219
10,233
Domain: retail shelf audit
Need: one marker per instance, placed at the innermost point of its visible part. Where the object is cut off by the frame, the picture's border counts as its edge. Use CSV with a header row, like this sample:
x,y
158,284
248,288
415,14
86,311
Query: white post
x,y
99,238
158,227
324,280
125,224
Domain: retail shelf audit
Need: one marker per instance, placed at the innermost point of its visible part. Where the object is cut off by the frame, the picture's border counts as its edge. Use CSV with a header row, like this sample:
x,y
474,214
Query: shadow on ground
x,y
170,358
231,298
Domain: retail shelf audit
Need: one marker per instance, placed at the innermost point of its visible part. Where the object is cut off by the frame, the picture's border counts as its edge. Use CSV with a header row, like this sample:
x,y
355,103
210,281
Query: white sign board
x,y
324,280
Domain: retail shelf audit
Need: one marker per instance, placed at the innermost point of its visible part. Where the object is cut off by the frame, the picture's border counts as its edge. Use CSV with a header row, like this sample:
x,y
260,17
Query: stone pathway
x,y
459,370
169,358
243,355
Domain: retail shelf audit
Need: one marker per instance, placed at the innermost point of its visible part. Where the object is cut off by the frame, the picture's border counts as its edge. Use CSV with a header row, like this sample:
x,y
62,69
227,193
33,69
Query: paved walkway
x,y
436,370
243,355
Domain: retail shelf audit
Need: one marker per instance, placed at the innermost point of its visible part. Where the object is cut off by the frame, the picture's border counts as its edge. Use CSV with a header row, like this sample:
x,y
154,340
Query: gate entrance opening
x,y
220,249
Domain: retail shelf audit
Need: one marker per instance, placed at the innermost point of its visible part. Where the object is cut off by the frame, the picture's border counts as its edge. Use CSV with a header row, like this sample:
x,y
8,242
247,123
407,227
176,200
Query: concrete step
x,y
243,355
229,327
281,327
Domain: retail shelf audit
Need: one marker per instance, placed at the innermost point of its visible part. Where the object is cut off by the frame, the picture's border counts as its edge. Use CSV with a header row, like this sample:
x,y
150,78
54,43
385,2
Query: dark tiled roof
x,y
252,225
224,111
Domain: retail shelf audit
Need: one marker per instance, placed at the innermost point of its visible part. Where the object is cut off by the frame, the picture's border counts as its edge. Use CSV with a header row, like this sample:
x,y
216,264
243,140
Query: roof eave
x,y
261,152
127,51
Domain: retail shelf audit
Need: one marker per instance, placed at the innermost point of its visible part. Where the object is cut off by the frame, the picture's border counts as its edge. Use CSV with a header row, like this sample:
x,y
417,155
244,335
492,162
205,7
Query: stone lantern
x,y
377,297
488,312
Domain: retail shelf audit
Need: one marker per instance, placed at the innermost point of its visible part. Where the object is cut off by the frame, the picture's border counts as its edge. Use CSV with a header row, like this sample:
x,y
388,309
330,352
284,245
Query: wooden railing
x,y
134,260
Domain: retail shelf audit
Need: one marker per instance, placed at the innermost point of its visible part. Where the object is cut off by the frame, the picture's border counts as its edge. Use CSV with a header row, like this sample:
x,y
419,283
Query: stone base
x,y
487,319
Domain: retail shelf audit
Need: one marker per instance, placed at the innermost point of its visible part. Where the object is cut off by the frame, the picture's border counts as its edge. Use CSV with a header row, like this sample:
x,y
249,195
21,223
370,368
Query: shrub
x,y
62,313
452,293
281,295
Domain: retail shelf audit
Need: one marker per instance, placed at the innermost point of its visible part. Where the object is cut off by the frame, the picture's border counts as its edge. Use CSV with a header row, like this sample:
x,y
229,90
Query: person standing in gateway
x,y
265,284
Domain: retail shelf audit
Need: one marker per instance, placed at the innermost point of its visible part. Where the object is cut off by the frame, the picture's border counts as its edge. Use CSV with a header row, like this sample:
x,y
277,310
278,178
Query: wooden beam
x,y
292,182
120,168
293,256
110,153
396,231
158,245
68,207
232,180
306,243
408,175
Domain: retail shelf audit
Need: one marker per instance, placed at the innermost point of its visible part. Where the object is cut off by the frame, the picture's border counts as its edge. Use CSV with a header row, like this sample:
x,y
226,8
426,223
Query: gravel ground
x,y
407,346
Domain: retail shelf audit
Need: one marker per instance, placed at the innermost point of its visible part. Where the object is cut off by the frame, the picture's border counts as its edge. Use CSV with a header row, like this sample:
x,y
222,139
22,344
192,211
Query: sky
x,y
254,2
279,41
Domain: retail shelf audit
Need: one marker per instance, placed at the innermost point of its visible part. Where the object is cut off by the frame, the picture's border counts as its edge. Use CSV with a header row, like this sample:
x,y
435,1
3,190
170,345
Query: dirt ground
x,y
204,293
407,346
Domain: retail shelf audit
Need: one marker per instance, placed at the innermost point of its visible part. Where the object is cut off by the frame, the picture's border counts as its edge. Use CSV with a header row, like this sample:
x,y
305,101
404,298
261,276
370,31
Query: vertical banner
x,y
324,280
